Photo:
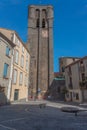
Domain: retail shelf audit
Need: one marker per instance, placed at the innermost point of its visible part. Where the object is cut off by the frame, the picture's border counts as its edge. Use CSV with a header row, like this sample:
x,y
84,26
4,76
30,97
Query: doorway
x,y
16,94
70,96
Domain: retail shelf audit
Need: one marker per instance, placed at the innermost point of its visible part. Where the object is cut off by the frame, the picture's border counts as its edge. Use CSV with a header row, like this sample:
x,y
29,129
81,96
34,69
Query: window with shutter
x,y
16,56
5,70
21,78
15,76
27,65
23,49
7,51
22,61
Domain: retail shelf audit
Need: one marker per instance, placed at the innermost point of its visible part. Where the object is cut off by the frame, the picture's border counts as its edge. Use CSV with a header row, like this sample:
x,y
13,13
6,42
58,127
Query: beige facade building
x,y
76,80
64,61
6,59
21,61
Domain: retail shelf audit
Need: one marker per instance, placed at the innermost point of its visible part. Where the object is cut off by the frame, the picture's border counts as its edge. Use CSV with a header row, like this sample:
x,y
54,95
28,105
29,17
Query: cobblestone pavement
x,y
31,117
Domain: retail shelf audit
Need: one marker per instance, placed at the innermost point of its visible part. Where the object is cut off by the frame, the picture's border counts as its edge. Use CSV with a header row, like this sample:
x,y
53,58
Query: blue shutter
x,y
5,69
7,51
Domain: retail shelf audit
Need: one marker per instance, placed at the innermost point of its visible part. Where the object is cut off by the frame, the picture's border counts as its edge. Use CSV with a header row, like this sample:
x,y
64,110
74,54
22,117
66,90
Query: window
x,y
44,13
38,23
77,96
82,69
70,72
63,69
43,18
5,70
37,13
22,61
18,43
27,65
43,23
37,18
7,51
70,85
73,59
16,56
70,80
15,76
23,49
16,40
81,62
21,78
13,37
83,77
26,54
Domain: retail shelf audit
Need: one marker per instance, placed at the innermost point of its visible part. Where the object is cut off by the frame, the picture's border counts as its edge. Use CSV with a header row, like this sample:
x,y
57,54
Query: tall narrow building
x,y
40,43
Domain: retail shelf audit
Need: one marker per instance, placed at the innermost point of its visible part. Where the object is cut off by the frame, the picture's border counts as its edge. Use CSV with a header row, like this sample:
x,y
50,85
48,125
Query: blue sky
x,y
70,24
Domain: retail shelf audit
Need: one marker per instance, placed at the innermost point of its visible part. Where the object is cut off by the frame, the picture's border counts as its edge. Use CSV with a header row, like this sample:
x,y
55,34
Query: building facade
x,y
21,61
76,81
56,90
6,59
64,61
40,44
20,81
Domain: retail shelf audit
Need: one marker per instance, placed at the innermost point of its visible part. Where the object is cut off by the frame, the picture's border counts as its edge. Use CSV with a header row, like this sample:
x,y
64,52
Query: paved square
x,y
32,117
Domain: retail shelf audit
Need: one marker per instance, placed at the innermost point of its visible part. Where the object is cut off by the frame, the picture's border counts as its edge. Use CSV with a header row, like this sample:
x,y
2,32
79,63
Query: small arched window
x,y
44,13
43,23
37,23
43,18
37,18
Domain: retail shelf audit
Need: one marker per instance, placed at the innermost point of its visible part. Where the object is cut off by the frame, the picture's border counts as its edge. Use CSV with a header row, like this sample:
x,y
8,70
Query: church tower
x,y
40,43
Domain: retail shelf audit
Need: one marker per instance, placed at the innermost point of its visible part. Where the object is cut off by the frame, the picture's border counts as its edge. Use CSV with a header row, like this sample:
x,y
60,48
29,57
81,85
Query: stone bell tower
x,y
40,43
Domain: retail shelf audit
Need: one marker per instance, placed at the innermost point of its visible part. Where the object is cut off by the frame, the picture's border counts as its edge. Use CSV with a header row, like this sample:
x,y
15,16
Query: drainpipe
x,y
10,78
27,94
28,87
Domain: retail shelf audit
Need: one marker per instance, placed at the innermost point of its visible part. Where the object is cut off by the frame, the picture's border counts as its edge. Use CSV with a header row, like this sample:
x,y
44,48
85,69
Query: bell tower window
x,y
43,18
38,23
43,23
37,18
